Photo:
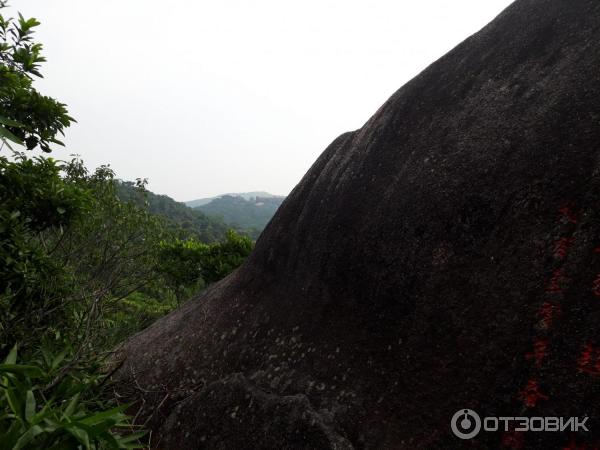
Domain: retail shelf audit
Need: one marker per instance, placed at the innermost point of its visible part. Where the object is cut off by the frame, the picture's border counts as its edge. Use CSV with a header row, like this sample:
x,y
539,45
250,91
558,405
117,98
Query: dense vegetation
x,y
190,222
246,195
85,261
250,215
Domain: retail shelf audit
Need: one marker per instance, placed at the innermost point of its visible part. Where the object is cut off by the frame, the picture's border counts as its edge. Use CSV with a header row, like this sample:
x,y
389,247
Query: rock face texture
x,y
444,256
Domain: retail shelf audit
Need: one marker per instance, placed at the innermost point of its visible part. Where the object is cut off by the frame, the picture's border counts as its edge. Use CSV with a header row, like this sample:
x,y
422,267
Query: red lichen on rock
x,y
548,314
567,214
532,394
540,350
573,445
557,281
589,360
562,247
596,286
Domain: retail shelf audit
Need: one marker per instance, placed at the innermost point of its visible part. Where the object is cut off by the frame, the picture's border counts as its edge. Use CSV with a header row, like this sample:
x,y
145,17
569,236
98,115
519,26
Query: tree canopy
x,y
26,117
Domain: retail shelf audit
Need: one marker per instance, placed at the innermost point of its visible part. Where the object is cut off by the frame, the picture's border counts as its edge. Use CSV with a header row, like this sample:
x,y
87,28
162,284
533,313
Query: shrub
x,y
50,405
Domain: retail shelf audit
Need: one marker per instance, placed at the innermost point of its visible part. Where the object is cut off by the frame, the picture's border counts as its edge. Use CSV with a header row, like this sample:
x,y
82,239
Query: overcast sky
x,y
208,97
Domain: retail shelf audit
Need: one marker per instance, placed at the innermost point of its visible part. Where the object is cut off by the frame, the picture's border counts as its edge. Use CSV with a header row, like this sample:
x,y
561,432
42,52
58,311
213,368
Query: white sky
x,y
207,97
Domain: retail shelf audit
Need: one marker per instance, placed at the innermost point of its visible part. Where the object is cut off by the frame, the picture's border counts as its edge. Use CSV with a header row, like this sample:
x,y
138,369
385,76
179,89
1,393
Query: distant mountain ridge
x,y
247,212
244,195
192,221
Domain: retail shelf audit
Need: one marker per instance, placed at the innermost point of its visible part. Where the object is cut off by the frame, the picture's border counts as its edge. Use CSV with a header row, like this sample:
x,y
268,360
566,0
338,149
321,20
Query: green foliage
x,y
86,272
223,258
26,117
34,190
181,219
43,406
52,402
249,216
135,312
110,252
182,261
186,263
33,197
74,256
34,201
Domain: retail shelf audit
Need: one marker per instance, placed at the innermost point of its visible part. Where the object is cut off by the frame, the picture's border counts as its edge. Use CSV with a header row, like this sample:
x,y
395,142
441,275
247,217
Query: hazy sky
x,y
208,97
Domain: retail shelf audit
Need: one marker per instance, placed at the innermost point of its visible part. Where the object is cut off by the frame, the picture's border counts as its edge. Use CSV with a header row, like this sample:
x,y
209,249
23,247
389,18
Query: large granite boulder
x,y
443,256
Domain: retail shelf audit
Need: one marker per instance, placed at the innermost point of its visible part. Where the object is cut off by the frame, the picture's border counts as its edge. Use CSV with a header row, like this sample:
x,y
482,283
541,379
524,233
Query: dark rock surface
x,y
443,256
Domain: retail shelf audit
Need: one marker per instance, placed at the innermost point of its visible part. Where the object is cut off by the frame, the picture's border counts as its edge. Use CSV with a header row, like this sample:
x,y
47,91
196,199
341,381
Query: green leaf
x,y
132,437
79,433
62,445
13,402
71,407
10,437
10,122
111,439
27,437
50,426
21,369
5,134
29,405
47,356
42,415
57,142
58,359
12,356
114,413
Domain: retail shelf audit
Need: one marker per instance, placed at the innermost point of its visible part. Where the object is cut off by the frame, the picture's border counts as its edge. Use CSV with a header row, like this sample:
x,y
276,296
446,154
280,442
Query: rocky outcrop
x,y
444,256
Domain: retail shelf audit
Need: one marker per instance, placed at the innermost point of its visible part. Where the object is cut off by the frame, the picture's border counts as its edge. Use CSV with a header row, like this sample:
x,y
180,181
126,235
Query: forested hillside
x,y
248,215
192,222
246,195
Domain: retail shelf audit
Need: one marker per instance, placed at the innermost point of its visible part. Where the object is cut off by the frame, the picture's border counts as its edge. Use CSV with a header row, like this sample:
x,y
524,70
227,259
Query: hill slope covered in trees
x,y
192,221
249,215
246,195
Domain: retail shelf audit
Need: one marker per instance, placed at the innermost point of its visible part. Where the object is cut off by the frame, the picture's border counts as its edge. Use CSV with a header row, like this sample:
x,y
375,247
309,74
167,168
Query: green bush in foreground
x,y
49,404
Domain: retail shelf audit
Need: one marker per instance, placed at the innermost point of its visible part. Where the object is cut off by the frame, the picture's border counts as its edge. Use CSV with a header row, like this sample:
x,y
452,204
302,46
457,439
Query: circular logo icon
x,y
466,424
